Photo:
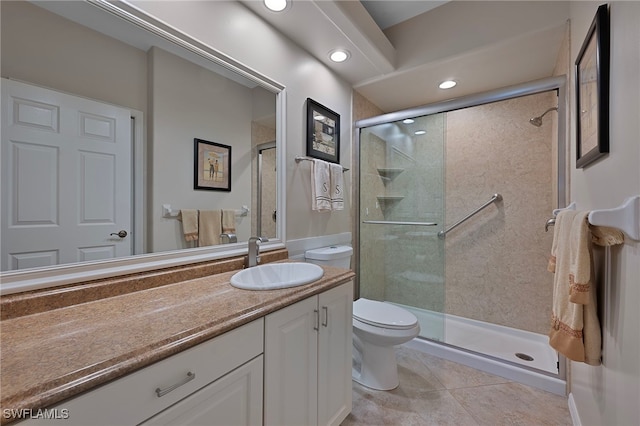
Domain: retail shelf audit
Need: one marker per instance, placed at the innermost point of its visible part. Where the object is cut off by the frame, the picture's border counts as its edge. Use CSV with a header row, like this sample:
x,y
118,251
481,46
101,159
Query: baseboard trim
x,y
575,417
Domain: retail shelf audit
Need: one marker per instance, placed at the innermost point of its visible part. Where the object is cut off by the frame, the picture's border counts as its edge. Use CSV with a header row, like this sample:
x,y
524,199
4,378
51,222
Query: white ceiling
x,y
398,58
388,13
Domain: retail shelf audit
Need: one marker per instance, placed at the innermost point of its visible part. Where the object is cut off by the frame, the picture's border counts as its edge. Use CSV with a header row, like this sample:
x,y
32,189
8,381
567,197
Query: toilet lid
x,y
382,314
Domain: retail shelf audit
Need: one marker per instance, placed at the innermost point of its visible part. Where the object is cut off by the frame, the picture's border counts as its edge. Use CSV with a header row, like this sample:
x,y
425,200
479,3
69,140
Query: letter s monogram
x,y
324,187
338,190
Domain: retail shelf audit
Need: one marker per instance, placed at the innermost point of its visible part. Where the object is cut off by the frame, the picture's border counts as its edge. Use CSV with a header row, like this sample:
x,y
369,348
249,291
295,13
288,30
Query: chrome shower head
x,y
537,121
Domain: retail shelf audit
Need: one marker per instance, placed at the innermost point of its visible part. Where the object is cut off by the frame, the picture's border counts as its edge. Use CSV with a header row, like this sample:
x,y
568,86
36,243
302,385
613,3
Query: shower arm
x,y
549,110
494,198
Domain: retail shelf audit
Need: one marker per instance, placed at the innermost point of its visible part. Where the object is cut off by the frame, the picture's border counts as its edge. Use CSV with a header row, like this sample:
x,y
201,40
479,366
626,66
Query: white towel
x,y
320,184
337,187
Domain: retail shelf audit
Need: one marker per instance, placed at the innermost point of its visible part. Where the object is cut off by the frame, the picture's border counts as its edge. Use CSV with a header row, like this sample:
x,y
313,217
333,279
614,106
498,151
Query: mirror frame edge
x,y
73,273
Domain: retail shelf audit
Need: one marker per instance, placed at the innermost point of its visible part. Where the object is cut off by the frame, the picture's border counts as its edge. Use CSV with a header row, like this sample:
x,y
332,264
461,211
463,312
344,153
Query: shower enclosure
x,y
453,198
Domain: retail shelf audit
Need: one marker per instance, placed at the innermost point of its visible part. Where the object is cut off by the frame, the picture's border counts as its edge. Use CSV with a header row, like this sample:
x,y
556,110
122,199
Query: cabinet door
x,y
334,355
290,364
234,399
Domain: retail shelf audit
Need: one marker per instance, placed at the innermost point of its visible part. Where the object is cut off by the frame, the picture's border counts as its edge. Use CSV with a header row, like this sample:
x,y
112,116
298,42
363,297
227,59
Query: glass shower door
x,y
401,258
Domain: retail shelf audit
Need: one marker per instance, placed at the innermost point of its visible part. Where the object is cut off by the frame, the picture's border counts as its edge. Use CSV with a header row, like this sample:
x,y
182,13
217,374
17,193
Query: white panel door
x,y
66,178
334,355
290,365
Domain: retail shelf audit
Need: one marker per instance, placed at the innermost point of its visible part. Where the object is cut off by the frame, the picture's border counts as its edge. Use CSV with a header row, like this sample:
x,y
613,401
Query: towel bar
x,y
625,217
168,212
299,159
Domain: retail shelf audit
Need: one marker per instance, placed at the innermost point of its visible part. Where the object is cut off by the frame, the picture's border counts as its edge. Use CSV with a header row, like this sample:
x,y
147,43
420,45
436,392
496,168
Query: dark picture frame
x,y
323,132
211,165
592,92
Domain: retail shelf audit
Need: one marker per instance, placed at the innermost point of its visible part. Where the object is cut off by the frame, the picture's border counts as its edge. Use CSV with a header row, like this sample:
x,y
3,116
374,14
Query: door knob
x,y
122,233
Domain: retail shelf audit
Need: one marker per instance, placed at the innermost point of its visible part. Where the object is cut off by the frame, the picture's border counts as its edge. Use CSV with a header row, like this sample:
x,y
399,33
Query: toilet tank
x,y
338,256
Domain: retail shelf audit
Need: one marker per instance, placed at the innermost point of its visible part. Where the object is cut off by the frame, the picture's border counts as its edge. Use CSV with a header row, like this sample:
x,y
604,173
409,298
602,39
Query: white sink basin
x,y
272,276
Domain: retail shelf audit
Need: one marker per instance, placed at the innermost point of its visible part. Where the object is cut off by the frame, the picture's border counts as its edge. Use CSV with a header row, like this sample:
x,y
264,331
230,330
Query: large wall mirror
x,y
100,109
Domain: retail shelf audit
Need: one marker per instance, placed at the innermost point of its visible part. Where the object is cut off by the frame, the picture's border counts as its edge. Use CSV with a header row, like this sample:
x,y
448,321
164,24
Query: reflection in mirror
x,y
98,135
267,214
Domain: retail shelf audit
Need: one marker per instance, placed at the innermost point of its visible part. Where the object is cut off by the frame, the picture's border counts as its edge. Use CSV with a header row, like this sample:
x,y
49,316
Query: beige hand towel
x,y
210,226
228,221
575,330
606,236
189,220
320,184
337,187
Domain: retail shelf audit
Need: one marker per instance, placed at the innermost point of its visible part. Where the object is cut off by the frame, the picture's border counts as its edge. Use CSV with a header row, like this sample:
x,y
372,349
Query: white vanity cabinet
x,y
216,382
235,399
308,360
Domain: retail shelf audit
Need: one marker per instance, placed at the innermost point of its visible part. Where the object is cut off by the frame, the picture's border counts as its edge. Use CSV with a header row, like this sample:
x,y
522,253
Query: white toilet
x,y
377,328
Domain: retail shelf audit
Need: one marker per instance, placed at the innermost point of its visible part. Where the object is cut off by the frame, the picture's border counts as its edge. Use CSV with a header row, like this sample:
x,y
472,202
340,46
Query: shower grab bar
x,y
392,222
494,198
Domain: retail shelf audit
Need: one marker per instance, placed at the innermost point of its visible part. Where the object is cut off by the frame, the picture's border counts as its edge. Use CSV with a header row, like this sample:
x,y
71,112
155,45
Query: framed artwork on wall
x,y
592,92
212,166
323,132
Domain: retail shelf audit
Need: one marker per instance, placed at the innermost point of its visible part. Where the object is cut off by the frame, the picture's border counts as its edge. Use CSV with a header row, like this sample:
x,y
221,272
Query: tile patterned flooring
x,y
434,391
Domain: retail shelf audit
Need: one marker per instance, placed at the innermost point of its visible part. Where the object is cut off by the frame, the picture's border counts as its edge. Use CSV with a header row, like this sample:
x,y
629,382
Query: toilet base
x,y
378,368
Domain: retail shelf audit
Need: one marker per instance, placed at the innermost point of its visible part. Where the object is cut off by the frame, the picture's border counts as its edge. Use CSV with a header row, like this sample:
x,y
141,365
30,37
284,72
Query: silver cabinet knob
x,y
122,233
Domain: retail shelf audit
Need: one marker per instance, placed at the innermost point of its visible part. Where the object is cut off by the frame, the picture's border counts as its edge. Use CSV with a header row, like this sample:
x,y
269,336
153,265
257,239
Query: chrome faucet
x,y
253,257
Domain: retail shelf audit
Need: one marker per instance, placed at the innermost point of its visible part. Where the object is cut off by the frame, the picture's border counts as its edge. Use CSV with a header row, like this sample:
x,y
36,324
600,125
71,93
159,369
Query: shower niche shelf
x,y
389,199
387,203
389,173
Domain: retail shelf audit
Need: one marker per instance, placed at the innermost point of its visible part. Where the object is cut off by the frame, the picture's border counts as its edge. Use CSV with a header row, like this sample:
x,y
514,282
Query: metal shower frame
x,y
529,88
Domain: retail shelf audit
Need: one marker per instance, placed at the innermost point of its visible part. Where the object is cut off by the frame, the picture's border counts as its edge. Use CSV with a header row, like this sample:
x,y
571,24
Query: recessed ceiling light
x,y
276,5
407,121
339,55
420,132
447,84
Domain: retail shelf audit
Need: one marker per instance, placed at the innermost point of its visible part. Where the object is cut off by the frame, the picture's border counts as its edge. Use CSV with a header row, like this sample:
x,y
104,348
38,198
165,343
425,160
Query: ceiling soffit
x,y
319,26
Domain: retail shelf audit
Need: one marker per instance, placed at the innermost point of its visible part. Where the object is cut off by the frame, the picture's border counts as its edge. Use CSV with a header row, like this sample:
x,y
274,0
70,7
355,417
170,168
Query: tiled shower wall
x,y
496,262
402,180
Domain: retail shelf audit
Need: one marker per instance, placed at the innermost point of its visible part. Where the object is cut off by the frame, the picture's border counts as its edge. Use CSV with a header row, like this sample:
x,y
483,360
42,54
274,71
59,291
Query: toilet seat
x,y
384,315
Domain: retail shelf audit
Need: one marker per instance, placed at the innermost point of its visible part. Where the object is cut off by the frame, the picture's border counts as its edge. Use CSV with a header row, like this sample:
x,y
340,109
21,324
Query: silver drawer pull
x,y
325,317
162,392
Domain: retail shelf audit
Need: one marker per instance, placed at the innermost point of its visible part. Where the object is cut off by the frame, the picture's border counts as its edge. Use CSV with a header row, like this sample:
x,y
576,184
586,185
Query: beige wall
x,y
363,108
608,394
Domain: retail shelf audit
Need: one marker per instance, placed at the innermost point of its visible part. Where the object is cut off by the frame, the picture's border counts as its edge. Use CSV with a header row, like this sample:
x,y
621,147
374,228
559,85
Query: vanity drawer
x,y
135,397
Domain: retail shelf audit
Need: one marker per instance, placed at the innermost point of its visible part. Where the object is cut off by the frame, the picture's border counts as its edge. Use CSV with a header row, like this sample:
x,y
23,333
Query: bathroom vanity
x,y
188,352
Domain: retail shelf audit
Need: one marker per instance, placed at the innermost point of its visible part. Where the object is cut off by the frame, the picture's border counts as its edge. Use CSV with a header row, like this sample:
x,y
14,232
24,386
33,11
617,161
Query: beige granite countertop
x,y
49,356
